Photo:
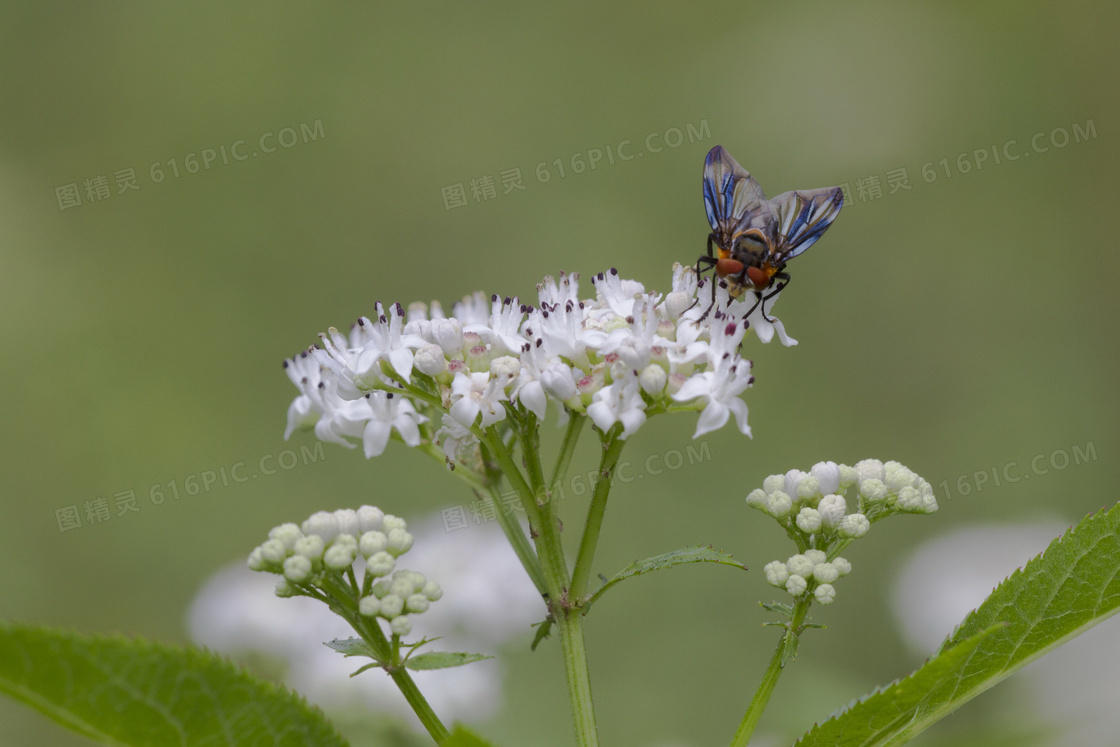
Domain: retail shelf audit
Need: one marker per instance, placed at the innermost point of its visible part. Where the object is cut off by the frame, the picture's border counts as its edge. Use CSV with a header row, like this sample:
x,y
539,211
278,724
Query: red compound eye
x,y
759,277
725,267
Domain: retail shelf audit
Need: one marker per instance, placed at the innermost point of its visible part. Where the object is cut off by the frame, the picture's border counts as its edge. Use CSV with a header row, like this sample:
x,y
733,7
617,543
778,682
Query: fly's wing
x,y
731,195
801,218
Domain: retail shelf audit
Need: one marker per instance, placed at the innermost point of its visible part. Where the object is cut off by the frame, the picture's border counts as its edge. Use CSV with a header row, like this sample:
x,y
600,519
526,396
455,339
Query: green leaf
x,y
442,660
429,660
1058,595
876,718
354,647
698,554
351,647
123,691
782,607
463,737
544,627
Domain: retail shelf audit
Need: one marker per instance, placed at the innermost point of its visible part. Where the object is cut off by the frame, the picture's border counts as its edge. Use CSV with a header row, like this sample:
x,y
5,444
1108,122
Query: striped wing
x,y
802,218
731,195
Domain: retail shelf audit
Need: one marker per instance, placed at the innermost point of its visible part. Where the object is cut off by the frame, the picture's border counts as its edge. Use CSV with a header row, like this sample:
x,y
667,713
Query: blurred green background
x,y
959,325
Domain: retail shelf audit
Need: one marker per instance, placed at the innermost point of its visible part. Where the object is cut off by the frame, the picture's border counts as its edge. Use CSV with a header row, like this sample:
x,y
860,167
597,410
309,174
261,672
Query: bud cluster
x,y
813,509
318,559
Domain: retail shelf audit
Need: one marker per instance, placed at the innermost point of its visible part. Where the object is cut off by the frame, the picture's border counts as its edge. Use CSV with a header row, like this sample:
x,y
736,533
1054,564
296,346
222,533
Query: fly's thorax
x,y
751,249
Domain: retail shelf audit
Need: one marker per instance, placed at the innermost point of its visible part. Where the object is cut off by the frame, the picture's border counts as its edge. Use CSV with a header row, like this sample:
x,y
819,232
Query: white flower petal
x,y
533,397
713,417
465,411
375,438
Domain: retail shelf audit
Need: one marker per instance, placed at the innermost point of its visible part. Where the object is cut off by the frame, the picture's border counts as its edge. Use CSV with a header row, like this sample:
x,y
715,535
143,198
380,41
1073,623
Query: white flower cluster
x,y
811,505
332,541
615,357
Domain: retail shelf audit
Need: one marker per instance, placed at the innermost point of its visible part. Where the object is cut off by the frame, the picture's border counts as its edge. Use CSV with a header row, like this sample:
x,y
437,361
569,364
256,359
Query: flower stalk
x,y
612,450
783,654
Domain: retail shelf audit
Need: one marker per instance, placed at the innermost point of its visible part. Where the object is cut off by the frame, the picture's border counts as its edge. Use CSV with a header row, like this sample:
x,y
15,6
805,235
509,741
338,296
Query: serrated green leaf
x,y
880,714
782,607
351,647
123,691
442,660
1058,595
461,736
354,647
698,554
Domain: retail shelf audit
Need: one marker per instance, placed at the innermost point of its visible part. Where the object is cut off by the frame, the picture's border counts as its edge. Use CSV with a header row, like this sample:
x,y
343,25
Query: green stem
x,y
612,449
529,432
548,541
784,653
567,448
567,616
513,531
419,705
372,633
517,539
837,549
493,440
569,623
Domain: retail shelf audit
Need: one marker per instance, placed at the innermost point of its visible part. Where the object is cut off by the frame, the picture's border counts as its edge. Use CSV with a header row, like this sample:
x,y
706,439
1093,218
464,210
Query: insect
x,y
755,237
